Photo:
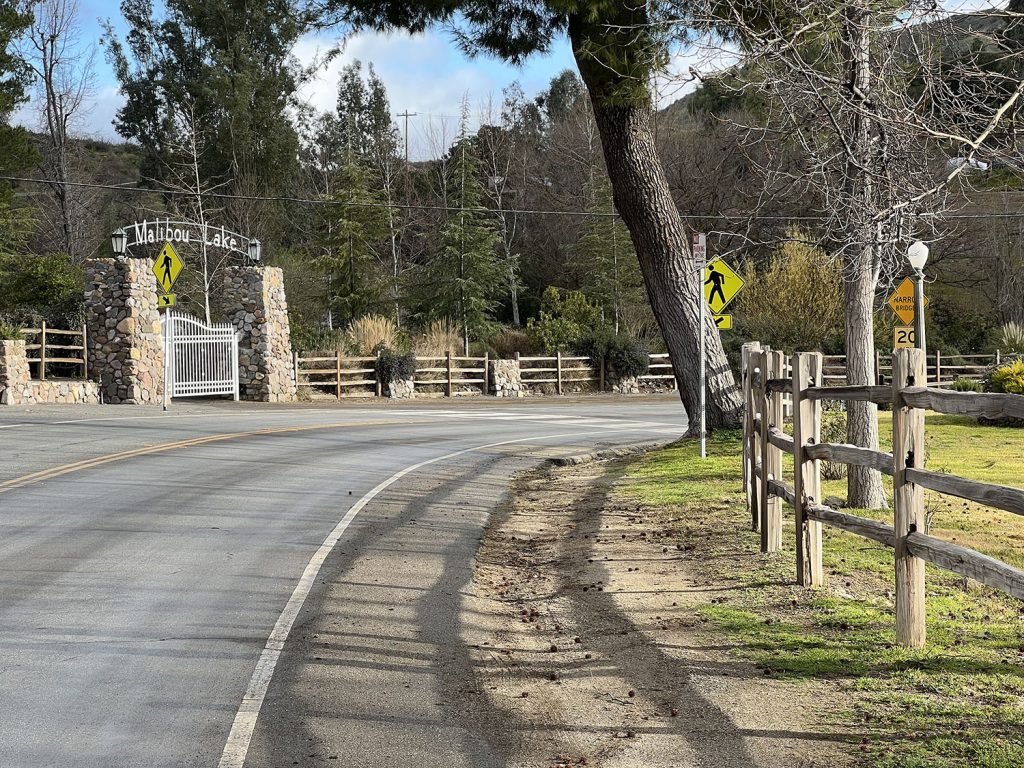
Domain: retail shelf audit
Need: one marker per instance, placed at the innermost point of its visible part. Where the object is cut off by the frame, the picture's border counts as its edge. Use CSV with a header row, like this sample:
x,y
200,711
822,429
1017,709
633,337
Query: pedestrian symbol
x,y
167,267
902,301
721,284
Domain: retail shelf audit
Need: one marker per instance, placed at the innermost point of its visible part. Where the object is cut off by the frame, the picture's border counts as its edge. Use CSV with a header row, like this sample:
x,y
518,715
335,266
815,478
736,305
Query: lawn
x,y
959,701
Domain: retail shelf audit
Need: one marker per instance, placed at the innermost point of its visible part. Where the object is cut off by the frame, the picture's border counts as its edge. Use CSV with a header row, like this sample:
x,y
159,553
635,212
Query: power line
x,y
451,208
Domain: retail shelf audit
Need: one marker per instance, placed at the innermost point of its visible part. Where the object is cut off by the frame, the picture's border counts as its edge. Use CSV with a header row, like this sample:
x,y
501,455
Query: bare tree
x,y
890,107
64,77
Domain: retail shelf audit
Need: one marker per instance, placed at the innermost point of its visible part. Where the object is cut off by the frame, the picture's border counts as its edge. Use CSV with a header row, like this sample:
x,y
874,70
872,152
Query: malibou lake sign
x,y
167,231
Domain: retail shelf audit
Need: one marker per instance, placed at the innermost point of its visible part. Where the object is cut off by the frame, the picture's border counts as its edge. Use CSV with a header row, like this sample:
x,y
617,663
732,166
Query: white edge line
x,y
239,738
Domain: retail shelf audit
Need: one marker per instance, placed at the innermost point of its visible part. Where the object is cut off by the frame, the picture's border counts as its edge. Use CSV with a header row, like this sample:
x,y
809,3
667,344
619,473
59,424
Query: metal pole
x,y
168,326
703,359
919,312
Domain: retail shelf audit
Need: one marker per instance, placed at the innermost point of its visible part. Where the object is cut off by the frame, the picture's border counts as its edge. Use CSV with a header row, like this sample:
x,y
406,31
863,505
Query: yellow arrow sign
x,y
902,301
721,284
167,267
724,322
166,300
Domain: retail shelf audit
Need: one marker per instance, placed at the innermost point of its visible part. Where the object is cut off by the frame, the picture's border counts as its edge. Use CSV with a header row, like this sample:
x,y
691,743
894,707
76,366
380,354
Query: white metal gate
x,y
201,359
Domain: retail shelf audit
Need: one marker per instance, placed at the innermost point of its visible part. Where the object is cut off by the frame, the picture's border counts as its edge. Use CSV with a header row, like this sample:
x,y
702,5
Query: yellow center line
x,y
77,466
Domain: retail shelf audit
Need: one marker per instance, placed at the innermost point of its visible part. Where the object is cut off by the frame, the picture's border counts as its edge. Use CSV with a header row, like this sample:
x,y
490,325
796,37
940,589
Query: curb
x,y
608,453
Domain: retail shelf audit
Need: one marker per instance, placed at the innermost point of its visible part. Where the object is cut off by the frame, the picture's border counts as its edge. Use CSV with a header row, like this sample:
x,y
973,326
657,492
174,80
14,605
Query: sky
x,y
425,74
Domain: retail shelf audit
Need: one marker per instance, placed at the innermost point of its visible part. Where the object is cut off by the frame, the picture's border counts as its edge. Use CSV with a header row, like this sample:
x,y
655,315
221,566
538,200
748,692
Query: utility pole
x,y
408,205
407,114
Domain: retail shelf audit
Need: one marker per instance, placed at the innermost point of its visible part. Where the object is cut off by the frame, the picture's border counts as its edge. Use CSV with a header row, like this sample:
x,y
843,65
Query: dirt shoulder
x,y
586,629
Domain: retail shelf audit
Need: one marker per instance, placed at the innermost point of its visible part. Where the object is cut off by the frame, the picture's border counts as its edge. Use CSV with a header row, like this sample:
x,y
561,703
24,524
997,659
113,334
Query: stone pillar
x,y
506,378
254,302
126,350
14,374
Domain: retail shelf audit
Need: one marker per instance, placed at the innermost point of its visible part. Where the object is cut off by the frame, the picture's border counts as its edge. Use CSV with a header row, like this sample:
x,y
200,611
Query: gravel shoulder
x,y
586,634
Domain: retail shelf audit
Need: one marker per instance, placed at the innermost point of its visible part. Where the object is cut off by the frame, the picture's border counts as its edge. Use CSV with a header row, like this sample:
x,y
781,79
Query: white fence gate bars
x,y
200,359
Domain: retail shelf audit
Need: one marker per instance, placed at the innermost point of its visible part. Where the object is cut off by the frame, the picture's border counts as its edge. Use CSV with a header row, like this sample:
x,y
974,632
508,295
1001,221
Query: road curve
x,y
138,593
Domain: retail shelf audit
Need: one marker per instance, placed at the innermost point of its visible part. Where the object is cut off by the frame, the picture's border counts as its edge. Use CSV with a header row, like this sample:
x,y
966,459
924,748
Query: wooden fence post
x,y
807,369
558,371
909,369
771,505
295,368
42,351
747,381
998,357
448,362
600,375
487,360
337,385
938,368
756,406
378,386
85,353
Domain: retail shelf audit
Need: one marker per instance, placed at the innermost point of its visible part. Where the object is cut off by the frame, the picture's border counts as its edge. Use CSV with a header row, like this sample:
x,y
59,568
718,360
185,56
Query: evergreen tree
x,y
465,279
355,226
607,261
15,151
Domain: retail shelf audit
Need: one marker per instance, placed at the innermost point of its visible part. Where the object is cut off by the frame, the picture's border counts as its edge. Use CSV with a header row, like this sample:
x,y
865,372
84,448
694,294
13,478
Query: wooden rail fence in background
x,y
70,353
357,376
764,442
943,370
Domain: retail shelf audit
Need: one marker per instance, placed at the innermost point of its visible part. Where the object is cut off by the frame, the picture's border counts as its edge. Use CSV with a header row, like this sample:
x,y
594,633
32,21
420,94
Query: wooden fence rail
x,y
764,442
943,370
71,351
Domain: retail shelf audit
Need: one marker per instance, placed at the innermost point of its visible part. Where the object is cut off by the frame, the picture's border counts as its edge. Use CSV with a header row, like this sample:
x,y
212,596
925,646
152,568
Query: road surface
x,y
164,577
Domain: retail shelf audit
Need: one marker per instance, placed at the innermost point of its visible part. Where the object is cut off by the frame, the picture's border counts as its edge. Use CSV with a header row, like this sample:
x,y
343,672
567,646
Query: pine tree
x,y
355,225
15,151
607,261
465,279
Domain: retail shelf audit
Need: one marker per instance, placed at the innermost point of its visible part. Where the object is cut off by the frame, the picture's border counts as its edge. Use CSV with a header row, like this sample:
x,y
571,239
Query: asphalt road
x,y
138,591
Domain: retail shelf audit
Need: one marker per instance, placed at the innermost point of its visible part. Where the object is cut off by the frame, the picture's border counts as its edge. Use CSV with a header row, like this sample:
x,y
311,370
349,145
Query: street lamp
x,y
119,242
255,250
917,255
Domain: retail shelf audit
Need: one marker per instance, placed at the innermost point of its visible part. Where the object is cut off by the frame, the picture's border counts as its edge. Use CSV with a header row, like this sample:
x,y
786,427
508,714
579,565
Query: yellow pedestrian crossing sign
x,y
167,300
167,267
721,284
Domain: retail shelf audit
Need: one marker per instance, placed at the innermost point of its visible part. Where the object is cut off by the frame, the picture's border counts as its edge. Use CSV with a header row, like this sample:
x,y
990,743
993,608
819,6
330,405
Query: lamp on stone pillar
x,y
255,252
119,242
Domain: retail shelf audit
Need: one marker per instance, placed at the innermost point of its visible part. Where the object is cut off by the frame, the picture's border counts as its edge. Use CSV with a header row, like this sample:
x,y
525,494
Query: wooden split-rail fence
x,y
357,376
60,347
942,369
765,441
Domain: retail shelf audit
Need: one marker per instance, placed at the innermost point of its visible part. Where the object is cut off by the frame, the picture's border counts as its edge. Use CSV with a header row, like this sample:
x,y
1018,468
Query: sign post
x,y
700,254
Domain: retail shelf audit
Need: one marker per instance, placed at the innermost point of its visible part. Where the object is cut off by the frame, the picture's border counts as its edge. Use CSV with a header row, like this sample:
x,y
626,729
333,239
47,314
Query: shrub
x,y
565,318
1011,338
395,366
1009,378
628,357
508,342
9,330
369,333
438,338
966,385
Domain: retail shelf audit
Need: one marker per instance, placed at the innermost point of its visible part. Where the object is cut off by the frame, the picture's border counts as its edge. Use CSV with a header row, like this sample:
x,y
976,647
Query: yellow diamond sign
x,y
721,284
902,301
167,267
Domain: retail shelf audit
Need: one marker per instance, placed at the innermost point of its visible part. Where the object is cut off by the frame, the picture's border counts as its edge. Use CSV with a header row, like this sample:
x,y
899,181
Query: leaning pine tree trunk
x,y
645,203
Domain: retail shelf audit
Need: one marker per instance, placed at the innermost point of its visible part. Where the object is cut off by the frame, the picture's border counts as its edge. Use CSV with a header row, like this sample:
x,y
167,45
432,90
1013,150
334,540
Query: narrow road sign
x,y
902,301
166,300
724,322
904,337
721,284
167,267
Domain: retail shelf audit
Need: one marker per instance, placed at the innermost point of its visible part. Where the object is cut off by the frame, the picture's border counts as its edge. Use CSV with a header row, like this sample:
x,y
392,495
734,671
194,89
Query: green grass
x,y
958,702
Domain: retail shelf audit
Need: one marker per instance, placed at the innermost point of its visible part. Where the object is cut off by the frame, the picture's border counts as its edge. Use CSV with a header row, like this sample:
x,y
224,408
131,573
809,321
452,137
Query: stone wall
x,y
126,352
506,378
254,302
15,387
403,389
